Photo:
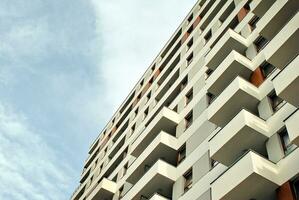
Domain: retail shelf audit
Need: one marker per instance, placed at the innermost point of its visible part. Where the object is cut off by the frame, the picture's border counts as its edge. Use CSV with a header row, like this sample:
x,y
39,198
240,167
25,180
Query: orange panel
x,y
257,77
196,22
242,13
184,38
284,192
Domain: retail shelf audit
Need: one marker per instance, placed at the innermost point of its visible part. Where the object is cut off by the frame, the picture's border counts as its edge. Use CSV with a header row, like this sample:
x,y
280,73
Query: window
x,y
181,154
208,36
188,180
260,43
190,30
295,185
276,101
141,82
120,191
189,119
253,21
208,73
189,59
210,97
149,95
214,163
184,83
190,18
267,69
175,109
136,111
133,128
288,147
125,169
145,113
189,96
189,44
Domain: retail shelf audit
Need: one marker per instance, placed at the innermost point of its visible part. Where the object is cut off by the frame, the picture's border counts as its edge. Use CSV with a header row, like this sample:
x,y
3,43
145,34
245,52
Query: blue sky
x,y
62,64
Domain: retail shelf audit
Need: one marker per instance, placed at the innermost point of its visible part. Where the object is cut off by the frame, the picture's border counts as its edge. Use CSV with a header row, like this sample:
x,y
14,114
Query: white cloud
x,y
30,168
132,33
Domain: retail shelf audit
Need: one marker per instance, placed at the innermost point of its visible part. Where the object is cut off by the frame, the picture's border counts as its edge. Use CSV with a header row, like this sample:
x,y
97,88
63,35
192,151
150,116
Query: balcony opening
x,y
184,83
149,95
188,180
188,120
121,192
125,169
190,18
244,11
260,43
210,98
208,73
287,146
181,154
189,44
189,59
208,36
253,21
189,97
276,101
267,69
133,129
145,113
295,187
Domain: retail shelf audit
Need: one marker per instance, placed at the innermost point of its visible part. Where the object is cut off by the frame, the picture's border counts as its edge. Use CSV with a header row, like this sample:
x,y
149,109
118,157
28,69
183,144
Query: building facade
x,y
215,116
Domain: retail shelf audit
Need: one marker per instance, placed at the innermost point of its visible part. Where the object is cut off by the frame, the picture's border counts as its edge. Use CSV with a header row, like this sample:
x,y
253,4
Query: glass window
x,y
288,147
181,154
188,180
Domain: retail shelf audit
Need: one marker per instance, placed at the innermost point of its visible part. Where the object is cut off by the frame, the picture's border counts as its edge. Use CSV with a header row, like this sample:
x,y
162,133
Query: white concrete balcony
x,y
260,7
284,46
229,41
166,120
232,66
286,83
104,190
276,17
292,125
162,147
251,177
159,178
245,131
240,94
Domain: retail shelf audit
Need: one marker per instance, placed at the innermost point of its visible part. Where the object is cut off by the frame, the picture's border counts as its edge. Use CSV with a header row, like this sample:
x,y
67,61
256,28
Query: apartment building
x,y
214,117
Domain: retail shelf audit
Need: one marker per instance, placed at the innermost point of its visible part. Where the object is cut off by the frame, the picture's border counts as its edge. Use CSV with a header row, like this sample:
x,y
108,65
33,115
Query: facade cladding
x,y
214,117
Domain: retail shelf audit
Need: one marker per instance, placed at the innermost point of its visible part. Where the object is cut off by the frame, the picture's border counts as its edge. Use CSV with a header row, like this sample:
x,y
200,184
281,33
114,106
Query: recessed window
x,y
208,73
260,43
210,97
214,163
133,128
136,111
125,169
276,101
120,191
183,83
145,113
181,154
267,69
189,96
189,44
189,59
288,147
208,36
188,119
188,180
149,95
190,18
253,21
295,185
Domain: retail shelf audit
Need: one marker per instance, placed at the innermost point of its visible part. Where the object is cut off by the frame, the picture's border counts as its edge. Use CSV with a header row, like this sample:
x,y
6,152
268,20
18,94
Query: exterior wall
x,y
148,156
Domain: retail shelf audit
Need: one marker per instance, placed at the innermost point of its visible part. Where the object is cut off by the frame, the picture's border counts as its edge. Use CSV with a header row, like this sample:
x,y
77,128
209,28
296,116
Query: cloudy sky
x,y
62,64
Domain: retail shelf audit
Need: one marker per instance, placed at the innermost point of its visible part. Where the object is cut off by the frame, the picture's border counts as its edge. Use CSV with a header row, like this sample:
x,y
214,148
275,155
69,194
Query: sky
x,y
62,69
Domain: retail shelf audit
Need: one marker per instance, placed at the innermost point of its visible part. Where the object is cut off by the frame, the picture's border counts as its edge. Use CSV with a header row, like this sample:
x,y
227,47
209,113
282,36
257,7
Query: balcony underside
x,y
252,177
104,190
292,125
166,120
234,65
238,95
286,83
243,132
284,46
230,41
